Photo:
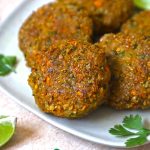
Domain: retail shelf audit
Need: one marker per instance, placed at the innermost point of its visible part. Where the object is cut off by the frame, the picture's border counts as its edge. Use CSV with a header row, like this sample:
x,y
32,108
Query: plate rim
x,y
60,126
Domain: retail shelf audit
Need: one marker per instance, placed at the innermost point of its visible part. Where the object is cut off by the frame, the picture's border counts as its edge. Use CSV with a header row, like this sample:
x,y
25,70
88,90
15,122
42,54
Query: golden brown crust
x,y
71,80
129,60
107,15
50,23
138,24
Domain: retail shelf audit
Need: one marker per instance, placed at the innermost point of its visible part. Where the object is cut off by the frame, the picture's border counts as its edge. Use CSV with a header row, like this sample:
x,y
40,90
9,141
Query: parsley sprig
x,y
131,126
7,64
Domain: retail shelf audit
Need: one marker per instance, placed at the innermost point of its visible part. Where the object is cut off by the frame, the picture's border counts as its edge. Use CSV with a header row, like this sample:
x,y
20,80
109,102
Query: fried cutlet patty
x,y
138,24
107,15
71,80
50,23
129,60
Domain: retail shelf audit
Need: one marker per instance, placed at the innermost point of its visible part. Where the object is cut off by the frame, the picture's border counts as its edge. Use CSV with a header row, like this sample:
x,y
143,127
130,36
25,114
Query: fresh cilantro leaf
x,y
119,130
133,122
124,130
136,141
7,64
143,132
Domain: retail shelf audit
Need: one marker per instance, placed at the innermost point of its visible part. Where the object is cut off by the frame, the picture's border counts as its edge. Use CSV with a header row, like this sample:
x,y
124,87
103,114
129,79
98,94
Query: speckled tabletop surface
x,y
32,133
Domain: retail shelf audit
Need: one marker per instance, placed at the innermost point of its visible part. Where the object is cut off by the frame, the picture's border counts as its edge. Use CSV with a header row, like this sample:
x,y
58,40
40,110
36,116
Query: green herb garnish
x,y
7,64
7,129
144,4
132,126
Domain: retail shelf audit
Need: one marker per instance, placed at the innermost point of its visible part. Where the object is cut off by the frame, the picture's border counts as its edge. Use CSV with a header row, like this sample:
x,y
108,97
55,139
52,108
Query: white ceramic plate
x,y
94,127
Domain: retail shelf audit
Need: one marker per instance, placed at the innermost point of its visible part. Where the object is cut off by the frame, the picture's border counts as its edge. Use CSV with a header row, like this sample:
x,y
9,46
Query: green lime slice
x,y
144,4
7,129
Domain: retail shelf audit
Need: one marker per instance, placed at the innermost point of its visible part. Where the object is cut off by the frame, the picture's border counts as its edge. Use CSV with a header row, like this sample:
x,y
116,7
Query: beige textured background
x,y
32,133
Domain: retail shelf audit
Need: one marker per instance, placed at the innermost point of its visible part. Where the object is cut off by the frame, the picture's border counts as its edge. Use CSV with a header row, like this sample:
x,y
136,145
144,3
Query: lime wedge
x,y
144,4
7,129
